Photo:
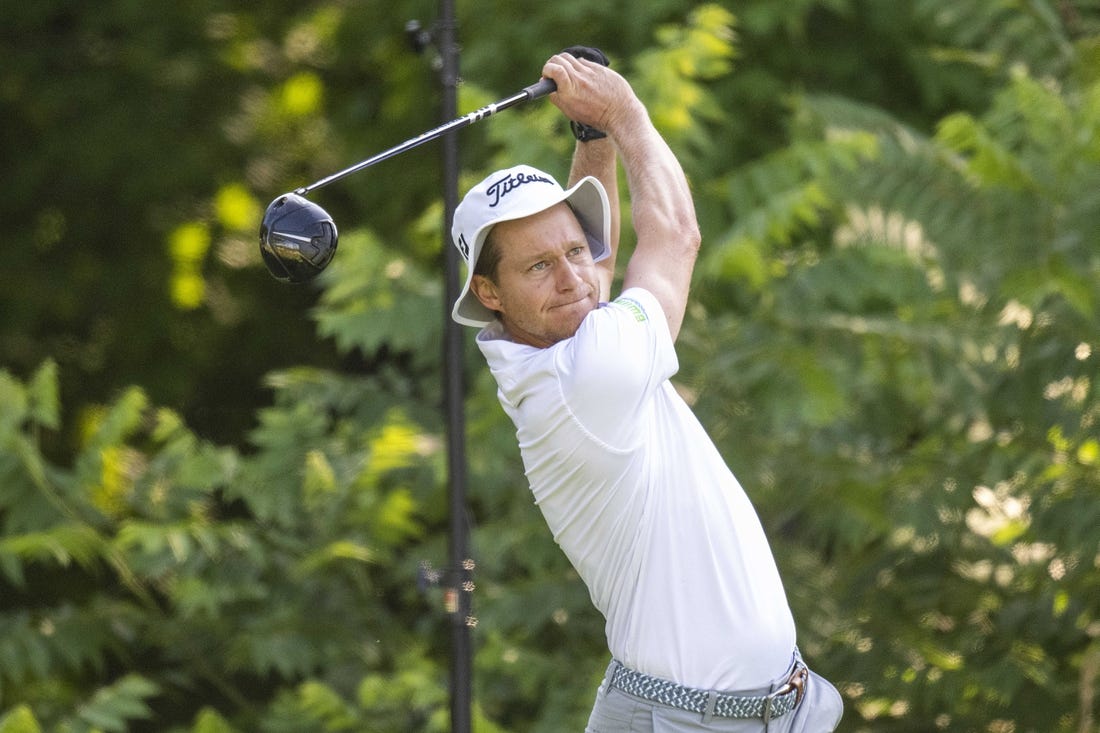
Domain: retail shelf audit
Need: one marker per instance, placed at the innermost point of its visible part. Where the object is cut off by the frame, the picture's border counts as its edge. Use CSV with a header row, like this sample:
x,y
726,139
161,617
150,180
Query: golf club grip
x,y
540,88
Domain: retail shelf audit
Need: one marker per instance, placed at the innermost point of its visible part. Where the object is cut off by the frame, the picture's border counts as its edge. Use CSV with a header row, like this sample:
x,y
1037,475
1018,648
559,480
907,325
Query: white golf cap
x,y
515,193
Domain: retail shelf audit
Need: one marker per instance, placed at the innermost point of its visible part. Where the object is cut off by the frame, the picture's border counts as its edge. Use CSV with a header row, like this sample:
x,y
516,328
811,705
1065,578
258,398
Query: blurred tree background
x,y
217,491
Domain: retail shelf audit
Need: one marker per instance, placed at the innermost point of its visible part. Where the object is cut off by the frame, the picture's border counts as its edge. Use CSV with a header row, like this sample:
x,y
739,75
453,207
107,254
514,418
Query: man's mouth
x,y
577,301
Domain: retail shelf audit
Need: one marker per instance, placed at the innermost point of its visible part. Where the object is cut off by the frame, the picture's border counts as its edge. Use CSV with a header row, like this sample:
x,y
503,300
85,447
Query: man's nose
x,y
568,275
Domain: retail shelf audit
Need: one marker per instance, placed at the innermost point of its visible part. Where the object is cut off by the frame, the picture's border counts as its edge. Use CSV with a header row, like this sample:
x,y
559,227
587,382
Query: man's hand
x,y
582,132
590,93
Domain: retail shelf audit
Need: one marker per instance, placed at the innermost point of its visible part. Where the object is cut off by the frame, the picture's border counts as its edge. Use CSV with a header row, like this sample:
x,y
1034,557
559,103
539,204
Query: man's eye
x,y
538,266
577,251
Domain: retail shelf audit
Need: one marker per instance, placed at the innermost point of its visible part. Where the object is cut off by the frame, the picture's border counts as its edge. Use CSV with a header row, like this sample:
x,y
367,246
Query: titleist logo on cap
x,y
499,189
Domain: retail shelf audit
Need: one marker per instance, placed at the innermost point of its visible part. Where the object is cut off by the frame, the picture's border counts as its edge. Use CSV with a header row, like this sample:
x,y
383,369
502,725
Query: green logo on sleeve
x,y
634,307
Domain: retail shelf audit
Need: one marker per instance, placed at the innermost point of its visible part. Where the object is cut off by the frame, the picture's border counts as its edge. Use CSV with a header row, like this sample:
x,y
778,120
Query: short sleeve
x,y
621,354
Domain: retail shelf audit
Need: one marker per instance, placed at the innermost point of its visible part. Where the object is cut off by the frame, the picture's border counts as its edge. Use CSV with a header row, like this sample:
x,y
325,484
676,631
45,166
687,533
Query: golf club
x,y
298,238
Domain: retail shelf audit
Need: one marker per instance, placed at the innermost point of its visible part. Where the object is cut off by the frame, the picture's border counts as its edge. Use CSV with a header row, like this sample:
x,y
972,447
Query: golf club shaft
x,y
535,91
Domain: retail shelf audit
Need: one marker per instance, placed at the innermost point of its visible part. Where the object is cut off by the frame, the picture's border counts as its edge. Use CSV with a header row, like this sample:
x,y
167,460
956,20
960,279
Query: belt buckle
x,y
796,683
768,706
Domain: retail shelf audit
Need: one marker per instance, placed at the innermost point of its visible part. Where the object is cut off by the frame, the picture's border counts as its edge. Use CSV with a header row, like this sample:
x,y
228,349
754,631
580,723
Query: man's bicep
x,y
668,280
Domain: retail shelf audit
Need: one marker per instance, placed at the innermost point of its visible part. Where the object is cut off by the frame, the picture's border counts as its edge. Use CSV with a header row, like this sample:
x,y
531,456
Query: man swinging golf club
x,y
634,491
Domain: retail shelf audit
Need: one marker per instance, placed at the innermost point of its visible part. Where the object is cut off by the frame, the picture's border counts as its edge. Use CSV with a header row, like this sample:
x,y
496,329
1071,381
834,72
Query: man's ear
x,y
486,292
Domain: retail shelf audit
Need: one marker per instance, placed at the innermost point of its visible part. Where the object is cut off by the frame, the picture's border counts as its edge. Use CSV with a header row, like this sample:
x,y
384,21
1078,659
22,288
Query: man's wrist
x,y
585,133
596,150
629,119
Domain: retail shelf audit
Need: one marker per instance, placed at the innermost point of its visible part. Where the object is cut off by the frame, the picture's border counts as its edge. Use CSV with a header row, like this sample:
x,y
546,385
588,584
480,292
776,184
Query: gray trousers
x,y
618,712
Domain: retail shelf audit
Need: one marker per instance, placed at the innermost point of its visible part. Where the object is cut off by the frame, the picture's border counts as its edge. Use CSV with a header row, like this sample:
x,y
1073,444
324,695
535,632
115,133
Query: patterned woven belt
x,y
708,702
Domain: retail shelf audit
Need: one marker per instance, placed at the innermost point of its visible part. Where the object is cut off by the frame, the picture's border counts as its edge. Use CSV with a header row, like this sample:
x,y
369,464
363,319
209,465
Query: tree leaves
x,y
372,297
111,708
162,574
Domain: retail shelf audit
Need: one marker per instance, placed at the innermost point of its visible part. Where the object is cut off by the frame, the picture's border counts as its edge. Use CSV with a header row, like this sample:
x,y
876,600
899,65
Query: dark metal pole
x,y
459,584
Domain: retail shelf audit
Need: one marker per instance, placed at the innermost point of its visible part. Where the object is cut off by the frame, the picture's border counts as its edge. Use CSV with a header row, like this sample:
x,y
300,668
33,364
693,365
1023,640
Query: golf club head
x,y
297,238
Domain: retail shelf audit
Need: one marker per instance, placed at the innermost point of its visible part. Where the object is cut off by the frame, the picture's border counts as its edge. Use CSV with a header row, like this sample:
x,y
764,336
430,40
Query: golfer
x,y
666,540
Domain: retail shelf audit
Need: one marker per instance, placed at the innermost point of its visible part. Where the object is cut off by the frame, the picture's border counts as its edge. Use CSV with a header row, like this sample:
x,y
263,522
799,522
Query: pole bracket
x,y
457,584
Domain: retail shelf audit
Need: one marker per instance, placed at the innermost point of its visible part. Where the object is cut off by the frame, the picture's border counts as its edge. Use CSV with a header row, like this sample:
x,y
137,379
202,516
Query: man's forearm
x,y
663,213
598,158
661,199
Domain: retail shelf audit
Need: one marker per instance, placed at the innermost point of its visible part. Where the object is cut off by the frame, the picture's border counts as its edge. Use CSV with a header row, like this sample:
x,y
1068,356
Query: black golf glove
x,y
582,132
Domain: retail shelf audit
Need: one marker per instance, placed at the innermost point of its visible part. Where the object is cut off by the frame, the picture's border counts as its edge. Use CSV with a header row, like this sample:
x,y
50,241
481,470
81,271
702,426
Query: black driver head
x,y
297,238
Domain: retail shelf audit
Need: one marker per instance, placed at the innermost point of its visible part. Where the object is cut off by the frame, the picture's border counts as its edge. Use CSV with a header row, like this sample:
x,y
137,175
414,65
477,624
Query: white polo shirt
x,y
642,503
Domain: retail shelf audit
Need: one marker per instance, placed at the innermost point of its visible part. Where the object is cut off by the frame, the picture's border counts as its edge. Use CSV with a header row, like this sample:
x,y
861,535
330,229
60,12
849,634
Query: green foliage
x,y
931,311
670,77
997,36
371,298
110,708
20,720
171,579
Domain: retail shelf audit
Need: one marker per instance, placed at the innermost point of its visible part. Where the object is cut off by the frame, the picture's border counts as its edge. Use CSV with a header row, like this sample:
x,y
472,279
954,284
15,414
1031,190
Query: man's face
x,y
546,281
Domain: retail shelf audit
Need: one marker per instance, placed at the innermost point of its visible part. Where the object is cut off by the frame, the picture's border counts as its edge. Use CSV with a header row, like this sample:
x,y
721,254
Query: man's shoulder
x,y
634,307
634,302
625,339
639,297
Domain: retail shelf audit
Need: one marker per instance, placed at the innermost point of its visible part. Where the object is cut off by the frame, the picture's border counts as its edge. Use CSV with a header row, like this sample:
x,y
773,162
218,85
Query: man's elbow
x,y
682,229
691,238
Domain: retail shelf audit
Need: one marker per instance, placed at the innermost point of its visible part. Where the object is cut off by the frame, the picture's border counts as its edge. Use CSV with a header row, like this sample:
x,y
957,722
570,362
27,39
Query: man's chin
x,y
562,324
574,314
